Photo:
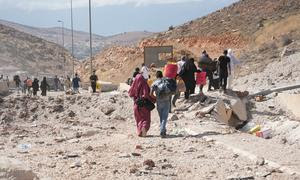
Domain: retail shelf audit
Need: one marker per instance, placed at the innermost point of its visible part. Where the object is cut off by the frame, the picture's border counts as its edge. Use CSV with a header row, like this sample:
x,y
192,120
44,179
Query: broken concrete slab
x,y
239,108
15,169
222,113
108,86
291,102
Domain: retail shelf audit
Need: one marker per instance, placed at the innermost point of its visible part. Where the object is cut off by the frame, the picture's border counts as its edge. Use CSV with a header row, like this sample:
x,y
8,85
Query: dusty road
x,y
93,137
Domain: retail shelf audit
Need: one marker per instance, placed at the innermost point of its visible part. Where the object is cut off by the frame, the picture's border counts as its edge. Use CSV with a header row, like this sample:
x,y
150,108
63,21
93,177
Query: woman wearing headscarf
x,y
44,86
187,73
234,63
138,90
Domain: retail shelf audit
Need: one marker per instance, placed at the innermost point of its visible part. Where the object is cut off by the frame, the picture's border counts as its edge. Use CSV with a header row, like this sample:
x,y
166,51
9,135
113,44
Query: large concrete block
x,y
108,86
239,108
3,88
291,102
222,113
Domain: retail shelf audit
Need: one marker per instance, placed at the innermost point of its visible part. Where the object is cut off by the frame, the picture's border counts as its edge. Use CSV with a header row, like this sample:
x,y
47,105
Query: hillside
x,y
24,53
256,30
81,39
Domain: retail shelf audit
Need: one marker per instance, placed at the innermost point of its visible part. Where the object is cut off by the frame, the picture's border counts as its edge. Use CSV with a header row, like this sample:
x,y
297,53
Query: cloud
x,y
65,4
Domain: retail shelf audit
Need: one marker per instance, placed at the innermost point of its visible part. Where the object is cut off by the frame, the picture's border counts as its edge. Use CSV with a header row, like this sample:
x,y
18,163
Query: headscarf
x,y
138,83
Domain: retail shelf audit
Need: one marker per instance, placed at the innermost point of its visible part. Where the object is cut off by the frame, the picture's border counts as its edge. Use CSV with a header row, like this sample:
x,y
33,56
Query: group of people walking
x,y
187,77
31,87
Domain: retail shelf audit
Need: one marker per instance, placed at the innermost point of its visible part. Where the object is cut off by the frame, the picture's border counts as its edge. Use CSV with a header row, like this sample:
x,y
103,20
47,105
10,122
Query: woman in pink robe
x,y
140,89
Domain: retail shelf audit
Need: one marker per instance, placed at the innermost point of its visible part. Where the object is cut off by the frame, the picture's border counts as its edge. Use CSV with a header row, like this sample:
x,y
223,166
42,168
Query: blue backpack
x,y
166,87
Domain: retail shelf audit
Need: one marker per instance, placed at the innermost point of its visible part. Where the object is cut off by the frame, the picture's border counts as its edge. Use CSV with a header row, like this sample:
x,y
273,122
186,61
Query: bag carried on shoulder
x,y
141,102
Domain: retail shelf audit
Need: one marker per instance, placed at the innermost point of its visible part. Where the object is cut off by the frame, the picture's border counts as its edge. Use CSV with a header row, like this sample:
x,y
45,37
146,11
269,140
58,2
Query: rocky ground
x,y
93,137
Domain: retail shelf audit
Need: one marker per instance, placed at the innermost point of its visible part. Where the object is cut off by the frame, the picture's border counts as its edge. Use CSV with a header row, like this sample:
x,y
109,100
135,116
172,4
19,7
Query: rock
x,y
72,141
72,155
174,117
136,154
260,161
124,156
76,164
138,147
107,110
14,169
133,170
167,166
71,114
119,118
89,148
58,108
240,178
206,110
239,109
34,108
89,133
149,163
60,139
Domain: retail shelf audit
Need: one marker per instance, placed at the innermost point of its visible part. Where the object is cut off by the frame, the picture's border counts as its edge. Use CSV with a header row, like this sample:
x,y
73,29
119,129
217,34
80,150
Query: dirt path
x,y
99,142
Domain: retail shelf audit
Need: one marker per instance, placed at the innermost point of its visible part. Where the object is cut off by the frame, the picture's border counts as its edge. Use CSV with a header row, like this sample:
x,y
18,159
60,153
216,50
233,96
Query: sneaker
x,y
163,134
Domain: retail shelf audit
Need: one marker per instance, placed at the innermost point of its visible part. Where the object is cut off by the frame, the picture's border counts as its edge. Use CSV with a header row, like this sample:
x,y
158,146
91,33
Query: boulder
x,y
14,169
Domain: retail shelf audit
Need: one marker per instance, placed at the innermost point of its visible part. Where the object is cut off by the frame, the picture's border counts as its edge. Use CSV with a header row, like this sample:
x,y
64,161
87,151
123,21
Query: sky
x,y
109,16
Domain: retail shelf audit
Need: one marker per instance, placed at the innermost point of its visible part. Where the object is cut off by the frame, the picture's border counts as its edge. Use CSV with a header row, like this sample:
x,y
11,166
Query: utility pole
x,y
63,42
91,44
72,37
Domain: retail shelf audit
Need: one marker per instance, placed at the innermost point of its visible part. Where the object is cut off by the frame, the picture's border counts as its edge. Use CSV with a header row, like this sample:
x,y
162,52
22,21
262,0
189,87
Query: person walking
x,y
35,86
17,82
94,79
44,87
24,83
56,82
234,66
7,81
224,69
180,82
201,79
29,86
67,83
187,73
75,83
163,102
140,91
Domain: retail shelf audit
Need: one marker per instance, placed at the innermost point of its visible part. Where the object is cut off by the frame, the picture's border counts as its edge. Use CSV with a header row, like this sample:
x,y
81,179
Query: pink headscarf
x,y
138,86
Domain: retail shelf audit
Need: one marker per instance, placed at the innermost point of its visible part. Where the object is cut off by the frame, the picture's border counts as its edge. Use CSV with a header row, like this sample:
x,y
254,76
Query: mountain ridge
x,y
81,38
